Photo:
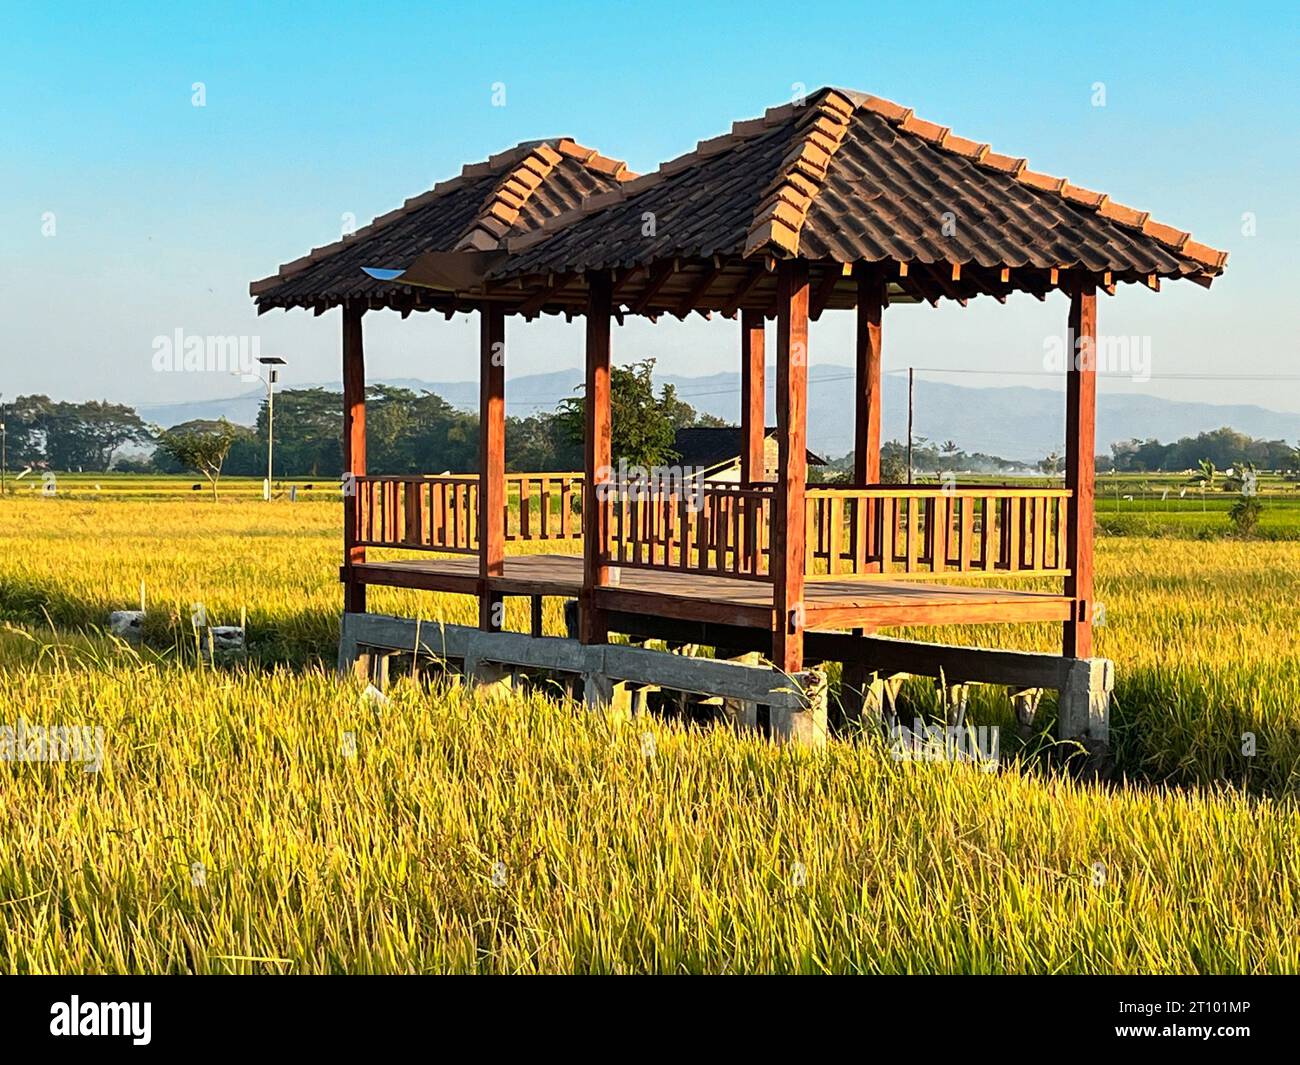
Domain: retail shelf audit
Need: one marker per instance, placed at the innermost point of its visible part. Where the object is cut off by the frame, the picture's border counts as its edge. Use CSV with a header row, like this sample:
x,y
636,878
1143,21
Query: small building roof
x,y
708,446
507,195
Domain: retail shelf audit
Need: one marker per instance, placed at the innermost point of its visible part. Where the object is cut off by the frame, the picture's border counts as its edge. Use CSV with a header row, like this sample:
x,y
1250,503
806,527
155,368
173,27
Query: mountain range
x,y
1012,422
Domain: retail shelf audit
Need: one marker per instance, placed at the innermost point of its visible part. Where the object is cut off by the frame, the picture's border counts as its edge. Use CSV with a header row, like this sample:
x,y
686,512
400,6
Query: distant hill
x,y
1014,422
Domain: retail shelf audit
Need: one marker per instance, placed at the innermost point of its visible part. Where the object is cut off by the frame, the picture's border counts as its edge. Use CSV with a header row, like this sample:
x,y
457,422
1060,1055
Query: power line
x,y
832,378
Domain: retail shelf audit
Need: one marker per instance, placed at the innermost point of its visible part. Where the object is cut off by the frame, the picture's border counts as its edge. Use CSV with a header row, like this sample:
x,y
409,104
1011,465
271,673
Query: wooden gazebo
x,y
841,201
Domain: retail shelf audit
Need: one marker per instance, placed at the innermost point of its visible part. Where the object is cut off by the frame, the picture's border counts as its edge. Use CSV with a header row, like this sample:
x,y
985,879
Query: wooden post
x,y
868,400
596,449
792,435
866,387
491,463
753,407
354,452
1080,448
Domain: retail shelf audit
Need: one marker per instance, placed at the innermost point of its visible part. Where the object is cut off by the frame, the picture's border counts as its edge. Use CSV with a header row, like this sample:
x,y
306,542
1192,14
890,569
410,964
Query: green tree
x,y
308,436
642,424
1245,514
74,436
24,423
201,446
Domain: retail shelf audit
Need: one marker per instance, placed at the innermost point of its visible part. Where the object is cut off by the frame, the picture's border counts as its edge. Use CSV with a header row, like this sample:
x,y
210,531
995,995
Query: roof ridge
x,y
1017,167
501,209
505,202
784,208
740,131
511,159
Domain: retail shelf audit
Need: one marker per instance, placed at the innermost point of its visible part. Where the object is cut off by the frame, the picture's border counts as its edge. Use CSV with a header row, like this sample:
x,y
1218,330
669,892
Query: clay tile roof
x,y
511,193
845,177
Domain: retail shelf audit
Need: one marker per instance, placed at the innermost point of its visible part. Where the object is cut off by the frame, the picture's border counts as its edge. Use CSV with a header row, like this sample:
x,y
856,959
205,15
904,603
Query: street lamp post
x,y
272,376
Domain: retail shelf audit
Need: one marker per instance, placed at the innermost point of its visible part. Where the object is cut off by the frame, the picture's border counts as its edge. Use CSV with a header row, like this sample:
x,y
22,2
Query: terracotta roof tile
x,y
1008,164
850,177
1042,181
514,191
887,108
1087,197
576,151
1165,234
1203,253
963,146
781,215
504,204
1126,216
839,176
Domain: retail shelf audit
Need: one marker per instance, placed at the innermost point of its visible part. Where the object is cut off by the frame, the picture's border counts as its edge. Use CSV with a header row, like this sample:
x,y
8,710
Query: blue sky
x,y
164,211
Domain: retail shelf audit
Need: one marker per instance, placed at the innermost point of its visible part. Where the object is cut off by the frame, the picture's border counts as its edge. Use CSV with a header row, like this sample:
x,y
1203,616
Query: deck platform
x,y
860,604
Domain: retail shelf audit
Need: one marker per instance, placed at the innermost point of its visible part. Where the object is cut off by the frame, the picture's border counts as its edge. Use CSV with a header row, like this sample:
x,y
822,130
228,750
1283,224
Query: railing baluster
x,y
833,546
942,529
888,533
930,537
723,530
913,535
687,528
967,504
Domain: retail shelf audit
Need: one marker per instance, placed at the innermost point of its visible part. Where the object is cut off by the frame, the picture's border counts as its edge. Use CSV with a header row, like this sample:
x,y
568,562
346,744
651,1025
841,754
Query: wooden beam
x,y
658,278
743,290
753,406
491,461
1080,456
825,290
354,450
792,433
945,283
914,281
698,290
867,388
596,448
531,306
626,281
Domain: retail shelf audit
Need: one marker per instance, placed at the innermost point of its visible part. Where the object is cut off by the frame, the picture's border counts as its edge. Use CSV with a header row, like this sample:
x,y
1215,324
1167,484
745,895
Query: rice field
x,y
272,818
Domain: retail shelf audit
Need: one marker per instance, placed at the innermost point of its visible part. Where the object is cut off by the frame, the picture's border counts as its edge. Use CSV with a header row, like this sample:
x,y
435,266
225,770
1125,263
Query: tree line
x,y
406,432
420,432
1221,447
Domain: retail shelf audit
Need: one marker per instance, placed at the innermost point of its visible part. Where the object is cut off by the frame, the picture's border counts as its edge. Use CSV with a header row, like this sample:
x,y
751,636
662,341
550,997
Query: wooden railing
x,y
543,506
420,513
441,513
708,527
881,532
889,532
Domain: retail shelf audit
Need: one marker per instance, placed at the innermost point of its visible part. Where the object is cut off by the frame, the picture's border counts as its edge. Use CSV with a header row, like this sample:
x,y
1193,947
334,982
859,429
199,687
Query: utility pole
x,y
4,451
911,392
272,376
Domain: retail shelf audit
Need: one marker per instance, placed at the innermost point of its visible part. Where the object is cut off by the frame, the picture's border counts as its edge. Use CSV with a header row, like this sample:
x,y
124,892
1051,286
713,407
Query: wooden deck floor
x,y
828,604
